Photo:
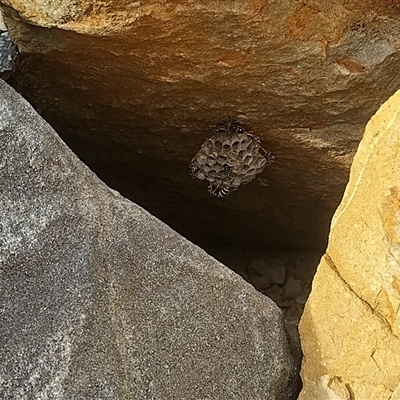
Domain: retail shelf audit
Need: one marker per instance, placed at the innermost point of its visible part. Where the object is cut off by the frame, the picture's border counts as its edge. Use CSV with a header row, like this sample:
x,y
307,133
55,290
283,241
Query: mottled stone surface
x,y
350,328
136,87
100,300
2,25
8,53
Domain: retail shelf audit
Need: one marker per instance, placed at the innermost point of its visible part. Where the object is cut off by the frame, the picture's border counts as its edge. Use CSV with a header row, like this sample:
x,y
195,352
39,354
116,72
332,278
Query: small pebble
x,y
277,274
293,287
261,282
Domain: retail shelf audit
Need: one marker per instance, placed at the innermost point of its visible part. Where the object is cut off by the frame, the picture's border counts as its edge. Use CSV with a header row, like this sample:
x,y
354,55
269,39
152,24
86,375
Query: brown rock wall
x,y
135,88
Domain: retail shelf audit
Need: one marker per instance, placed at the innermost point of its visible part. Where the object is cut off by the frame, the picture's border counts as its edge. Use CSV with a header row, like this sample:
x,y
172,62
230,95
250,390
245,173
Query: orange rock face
x,y
135,88
350,328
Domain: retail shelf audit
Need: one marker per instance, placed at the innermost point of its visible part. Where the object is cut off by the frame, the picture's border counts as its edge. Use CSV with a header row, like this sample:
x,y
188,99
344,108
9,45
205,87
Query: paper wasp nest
x,y
230,158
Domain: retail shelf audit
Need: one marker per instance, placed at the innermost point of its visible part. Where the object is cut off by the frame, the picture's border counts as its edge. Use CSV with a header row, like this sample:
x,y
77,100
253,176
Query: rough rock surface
x,y
350,328
100,300
136,87
2,24
8,53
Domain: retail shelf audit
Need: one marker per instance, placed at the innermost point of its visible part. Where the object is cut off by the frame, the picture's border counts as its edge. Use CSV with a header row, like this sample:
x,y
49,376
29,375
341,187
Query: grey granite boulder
x,y
100,300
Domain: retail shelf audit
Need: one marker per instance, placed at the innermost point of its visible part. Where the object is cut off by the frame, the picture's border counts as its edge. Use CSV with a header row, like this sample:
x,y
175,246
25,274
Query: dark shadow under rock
x,y
100,300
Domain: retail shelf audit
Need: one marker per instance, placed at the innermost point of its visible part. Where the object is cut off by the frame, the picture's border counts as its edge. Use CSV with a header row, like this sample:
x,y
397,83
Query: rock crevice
x,y
135,88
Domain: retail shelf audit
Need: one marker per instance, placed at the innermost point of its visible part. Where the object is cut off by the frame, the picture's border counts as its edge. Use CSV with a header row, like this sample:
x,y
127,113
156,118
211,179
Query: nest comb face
x,y
230,158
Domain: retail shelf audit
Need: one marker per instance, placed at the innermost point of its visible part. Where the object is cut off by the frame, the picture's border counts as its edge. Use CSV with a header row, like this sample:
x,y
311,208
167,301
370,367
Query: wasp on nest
x,y
230,158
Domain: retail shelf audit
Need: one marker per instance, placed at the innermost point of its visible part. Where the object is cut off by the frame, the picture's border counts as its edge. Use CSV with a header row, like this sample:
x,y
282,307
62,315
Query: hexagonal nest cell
x,y
230,158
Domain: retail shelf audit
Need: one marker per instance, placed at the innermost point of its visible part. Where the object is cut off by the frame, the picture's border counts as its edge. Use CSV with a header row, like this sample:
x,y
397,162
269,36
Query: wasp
x,y
230,158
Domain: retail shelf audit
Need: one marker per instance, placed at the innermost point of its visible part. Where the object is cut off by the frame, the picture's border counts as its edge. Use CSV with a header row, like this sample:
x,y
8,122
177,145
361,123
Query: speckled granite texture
x,y
100,300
